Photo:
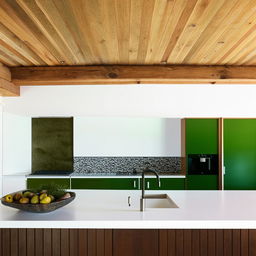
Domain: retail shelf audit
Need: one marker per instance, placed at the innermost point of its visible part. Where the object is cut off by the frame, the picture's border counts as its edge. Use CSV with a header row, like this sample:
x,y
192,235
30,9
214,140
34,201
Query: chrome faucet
x,y
143,196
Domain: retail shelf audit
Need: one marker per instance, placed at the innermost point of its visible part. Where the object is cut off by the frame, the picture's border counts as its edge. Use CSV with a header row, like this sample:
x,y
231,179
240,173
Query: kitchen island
x,y
109,209
100,222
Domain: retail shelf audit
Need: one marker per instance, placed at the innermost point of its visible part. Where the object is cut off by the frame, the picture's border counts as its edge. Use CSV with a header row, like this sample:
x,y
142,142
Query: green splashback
x,y
52,144
240,154
201,136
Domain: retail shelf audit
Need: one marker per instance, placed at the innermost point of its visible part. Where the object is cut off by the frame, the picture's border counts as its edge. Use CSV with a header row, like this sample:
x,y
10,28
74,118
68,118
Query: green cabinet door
x,y
202,182
105,183
165,184
202,136
240,154
38,182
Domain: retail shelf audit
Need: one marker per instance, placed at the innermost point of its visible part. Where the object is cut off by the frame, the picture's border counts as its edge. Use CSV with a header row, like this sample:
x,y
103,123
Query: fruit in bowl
x,y
44,199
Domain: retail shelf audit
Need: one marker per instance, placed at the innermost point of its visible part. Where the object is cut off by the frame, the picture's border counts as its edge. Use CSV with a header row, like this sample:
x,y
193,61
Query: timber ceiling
x,y
130,32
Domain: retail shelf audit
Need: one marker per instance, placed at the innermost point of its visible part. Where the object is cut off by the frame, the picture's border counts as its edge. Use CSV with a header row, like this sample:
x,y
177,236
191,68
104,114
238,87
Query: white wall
x,y
136,100
114,136
16,144
120,101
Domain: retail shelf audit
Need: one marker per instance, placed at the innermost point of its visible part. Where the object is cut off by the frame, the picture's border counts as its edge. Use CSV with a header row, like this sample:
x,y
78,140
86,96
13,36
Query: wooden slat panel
x,y
92,246
236,241
219,242
64,240
56,240
135,242
171,243
82,242
100,242
187,242
211,244
203,242
108,242
73,239
163,242
179,242
87,32
244,242
14,242
30,242
39,243
22,242
195,242
6,241
252,242
16,21
227,240
47,237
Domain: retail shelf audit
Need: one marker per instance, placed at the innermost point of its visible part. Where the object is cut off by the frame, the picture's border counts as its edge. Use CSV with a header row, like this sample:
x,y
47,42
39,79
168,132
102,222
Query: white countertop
x,y
109,209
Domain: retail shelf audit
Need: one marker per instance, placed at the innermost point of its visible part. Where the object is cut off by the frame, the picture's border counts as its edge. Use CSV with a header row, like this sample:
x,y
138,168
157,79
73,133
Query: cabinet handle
x,y
148,185
134,184
129,201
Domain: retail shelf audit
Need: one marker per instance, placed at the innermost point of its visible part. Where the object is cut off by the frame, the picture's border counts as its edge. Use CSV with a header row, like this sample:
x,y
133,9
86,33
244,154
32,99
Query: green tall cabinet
x,y
201,137
240,154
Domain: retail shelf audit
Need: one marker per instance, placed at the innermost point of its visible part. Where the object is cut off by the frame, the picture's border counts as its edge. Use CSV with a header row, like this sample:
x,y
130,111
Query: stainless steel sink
x,y
159,201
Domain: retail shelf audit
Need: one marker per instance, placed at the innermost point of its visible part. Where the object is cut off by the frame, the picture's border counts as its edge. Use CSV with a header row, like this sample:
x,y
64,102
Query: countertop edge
x,y
139,224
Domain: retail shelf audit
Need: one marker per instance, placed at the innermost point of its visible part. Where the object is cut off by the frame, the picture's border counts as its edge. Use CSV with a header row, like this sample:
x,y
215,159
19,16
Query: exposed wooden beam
x,y
132,74
7,88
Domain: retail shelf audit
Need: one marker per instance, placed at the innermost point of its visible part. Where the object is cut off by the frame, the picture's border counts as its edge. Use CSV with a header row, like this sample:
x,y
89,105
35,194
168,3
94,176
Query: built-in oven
x,y
203,164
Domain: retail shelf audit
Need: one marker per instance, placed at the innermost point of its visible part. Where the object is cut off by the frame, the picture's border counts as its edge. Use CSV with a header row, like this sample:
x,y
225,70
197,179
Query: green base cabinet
x,y
202,182
35,183
105,183
165,184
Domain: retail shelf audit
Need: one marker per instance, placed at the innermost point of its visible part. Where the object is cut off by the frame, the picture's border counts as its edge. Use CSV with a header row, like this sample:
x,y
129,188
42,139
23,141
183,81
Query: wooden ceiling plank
x,y
18,45
20,27
145,30
12,54
38,17
242,50
110,24
132,74
76,20
169,21
75,16
135,24
4,58
239,46
200,18
231,35
224,17
51,12
179,28
252,60
249,54
95,12
160,9
123,12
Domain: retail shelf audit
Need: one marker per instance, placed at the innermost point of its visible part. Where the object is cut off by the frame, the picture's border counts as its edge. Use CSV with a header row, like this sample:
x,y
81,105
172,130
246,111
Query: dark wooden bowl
x,y
40,208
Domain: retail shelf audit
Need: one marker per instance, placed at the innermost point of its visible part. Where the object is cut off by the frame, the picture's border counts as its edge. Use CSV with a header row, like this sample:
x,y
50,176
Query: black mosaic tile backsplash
x,y
125,165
